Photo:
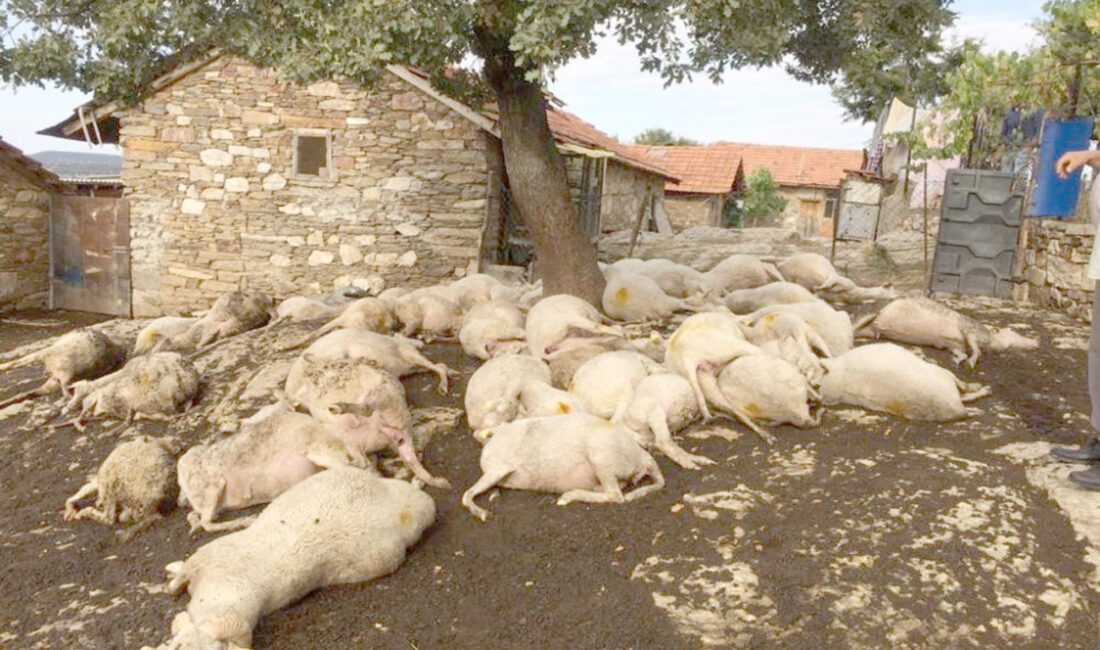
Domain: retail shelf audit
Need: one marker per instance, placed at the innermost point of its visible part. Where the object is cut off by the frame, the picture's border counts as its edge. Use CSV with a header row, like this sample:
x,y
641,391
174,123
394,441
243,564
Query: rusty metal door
x,y
90,254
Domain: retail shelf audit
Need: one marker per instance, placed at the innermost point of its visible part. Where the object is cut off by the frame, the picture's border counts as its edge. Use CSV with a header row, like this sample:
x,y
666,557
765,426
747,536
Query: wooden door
x,y
90,255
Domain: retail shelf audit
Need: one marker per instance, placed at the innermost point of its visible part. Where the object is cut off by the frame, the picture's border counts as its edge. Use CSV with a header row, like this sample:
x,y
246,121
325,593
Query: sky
x,y
608,90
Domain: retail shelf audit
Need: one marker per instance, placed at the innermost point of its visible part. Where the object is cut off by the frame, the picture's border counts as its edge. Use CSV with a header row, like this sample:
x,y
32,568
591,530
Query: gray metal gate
x,y
979,224
90,254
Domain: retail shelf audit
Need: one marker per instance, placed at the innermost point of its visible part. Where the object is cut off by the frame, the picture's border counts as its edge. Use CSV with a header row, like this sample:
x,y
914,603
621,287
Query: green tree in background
x,y
1063,70
662,137
762,205
113,48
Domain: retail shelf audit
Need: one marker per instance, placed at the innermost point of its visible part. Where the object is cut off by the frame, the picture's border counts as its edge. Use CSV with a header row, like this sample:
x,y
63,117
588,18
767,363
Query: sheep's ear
x,y
341,408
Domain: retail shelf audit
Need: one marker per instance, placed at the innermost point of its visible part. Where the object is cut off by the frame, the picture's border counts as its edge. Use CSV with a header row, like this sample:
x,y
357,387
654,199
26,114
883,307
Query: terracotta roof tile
x,y
797,165
702,169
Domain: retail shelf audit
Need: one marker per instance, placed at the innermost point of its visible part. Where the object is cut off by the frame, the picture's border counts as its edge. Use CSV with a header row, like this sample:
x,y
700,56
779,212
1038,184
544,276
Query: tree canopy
x,y
1061,76
762,203
113,47
662,137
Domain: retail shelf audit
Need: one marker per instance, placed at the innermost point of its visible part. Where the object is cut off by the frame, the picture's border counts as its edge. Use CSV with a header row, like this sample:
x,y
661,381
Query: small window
x,y
312,153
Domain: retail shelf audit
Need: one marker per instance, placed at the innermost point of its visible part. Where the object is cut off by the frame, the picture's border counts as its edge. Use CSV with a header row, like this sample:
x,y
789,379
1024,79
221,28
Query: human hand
x,y
1071,161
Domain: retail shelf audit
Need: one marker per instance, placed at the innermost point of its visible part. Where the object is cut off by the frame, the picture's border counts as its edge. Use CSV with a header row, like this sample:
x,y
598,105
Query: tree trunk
x,y
566,260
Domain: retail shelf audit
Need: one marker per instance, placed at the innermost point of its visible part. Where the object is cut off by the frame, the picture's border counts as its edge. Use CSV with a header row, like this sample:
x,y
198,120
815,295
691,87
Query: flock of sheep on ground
x,y
565,402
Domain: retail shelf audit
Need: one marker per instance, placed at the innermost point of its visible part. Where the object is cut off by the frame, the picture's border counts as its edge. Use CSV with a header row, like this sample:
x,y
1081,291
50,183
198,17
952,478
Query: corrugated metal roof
x,y
702,169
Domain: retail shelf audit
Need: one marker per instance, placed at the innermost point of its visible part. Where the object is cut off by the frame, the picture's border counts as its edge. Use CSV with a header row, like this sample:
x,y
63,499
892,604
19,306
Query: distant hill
x,y
75,164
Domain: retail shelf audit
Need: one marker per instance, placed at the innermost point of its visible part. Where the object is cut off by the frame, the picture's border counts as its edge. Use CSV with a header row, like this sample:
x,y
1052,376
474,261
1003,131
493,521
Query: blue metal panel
x,y
1054,196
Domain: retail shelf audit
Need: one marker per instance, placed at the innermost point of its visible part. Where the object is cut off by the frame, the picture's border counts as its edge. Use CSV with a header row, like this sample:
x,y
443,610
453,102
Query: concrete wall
x,y
24,238
215,203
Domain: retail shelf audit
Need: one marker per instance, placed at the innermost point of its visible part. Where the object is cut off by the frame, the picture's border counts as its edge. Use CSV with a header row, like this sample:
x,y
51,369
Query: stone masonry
x,y
1055,266
208,163
24,235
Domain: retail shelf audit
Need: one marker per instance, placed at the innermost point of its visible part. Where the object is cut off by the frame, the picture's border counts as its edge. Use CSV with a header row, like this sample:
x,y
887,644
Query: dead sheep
x,y
397,355
676,280
740,272
302,309
372,399
768,389
77,355
150,386
231,314
273,450
701,347
492,328
165,328
663,403
787,336
817,273
581,456
341,526
888,378
563,321
634,297
427,315
133,486
372,314
832,325
605,383
745,301
923,321
492,393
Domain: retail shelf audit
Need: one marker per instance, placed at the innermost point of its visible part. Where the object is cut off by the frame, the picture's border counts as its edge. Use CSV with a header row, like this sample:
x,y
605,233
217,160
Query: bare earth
x,y
868,532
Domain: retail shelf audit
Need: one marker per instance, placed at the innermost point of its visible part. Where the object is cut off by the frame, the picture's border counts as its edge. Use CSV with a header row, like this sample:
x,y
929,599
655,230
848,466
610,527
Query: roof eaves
x,y
30,166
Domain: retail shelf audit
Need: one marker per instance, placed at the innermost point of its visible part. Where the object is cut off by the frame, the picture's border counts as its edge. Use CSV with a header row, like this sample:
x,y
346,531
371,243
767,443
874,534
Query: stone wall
x,y
625,190
208,163
24,237
807,223
1055,266
693,210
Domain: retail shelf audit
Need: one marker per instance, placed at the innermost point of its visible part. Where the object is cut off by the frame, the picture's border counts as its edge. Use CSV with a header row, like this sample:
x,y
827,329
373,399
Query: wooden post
x,y
637,228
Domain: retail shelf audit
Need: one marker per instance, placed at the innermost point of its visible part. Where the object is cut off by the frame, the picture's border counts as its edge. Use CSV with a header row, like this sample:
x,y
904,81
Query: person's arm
x,y
1071,161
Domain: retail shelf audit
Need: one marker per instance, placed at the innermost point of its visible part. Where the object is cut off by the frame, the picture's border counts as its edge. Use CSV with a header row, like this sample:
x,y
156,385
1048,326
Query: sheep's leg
x,y
971,392
652,470
411,461
327,457
211,499
87,490
483,484
232,524
975,349
609,491
663,441
745,419
128,533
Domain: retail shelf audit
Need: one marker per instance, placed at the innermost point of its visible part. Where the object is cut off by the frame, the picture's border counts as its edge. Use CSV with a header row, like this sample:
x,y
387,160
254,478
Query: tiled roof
x,y
797,165
567,128
702,170
29,166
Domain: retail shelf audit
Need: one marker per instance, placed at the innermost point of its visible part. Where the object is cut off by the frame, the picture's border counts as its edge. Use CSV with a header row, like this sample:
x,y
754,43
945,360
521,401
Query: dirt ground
x,y
867,532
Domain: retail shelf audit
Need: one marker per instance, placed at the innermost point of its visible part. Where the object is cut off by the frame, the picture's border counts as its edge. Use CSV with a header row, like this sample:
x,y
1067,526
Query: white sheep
x,y
887,377
133,485
344,525
581,456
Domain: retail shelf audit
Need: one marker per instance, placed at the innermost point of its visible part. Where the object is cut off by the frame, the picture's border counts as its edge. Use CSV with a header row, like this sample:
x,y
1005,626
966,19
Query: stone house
x,y
26,192
808,177
236,176
709,179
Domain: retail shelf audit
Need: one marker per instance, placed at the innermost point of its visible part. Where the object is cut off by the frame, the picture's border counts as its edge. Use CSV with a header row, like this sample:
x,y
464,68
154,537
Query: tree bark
x,y
565,259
